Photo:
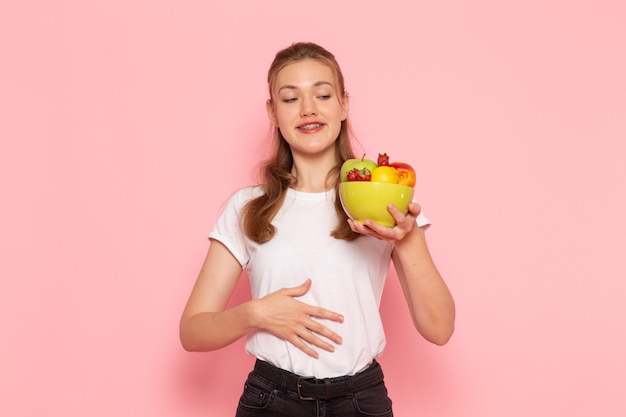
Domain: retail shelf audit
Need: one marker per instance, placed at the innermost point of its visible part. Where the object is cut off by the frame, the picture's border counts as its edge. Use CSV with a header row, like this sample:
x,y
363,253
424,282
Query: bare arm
x,y
429,300
207,325
204,325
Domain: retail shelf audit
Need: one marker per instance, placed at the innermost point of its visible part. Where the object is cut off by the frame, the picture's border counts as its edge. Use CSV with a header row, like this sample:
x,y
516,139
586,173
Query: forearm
x,y
209,331
429,299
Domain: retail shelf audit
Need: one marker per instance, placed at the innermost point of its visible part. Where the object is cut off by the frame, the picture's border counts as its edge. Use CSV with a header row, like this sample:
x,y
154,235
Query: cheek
x,y
284,115
283,133
335,130
281,122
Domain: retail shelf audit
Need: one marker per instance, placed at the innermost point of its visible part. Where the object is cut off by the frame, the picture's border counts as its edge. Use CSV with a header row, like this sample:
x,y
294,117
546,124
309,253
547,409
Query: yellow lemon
x,y
385,174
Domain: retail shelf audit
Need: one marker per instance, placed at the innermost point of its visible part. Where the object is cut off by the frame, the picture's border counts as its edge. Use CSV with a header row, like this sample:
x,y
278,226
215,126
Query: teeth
x,y
310,127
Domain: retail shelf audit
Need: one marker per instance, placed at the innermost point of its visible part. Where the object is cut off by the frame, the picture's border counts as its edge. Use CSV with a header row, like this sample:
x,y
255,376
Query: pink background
x,y
125,124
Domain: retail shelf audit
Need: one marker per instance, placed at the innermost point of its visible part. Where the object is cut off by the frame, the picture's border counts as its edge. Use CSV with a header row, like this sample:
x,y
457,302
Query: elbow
x,y
188,346
188,343
191,341
185,337
192,344
442,337
437,332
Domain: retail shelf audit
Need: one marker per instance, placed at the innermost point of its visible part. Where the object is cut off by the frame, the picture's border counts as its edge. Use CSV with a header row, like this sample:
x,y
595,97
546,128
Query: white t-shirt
x,y
347,277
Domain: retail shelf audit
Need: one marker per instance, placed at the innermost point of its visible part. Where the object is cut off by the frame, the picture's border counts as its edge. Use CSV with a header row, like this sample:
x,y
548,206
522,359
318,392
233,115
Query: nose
x,y
307,108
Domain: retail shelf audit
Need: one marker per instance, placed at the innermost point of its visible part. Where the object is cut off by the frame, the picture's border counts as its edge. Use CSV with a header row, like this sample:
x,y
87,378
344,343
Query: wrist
x,y
414,239
252,314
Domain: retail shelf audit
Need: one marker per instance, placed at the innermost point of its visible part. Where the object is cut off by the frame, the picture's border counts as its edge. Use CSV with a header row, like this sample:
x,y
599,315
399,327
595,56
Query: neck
x,y
312,174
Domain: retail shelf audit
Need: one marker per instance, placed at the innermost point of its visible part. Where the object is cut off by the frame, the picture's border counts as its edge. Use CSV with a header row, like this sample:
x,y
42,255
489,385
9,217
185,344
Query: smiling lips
x,y
310,127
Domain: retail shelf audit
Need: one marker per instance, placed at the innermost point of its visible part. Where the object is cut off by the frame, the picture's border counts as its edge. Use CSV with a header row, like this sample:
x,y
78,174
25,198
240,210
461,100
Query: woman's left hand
x,y
405,223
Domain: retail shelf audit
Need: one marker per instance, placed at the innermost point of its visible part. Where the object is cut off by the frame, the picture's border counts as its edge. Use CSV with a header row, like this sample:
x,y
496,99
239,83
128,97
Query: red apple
x,y
406,173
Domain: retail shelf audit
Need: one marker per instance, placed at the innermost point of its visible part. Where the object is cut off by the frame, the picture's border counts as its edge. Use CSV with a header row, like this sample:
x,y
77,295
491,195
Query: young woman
x,y
316,277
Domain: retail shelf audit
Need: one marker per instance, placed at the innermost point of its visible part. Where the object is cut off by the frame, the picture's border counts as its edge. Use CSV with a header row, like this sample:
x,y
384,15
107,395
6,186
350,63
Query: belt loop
x,y
283,383
328,388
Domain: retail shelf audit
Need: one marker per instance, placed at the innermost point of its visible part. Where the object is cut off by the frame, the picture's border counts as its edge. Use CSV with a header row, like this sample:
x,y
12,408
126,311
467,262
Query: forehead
x,y
305,73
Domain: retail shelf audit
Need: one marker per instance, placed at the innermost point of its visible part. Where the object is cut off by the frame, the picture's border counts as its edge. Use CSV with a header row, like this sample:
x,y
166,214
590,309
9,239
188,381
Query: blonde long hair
x,y
276,175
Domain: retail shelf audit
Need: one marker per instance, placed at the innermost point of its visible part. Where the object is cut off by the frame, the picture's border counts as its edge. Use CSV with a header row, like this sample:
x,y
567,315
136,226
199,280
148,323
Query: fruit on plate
x,y
360,169
385,174
406,173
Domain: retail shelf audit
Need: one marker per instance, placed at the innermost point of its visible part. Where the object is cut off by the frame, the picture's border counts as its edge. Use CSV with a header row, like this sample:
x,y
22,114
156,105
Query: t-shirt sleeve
x,y
227,229
422,220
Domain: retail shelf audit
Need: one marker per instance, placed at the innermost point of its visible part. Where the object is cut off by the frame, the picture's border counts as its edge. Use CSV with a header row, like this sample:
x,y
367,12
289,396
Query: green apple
x,y
363,165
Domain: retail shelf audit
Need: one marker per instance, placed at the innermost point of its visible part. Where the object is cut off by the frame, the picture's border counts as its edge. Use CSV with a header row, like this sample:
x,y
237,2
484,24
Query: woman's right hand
x,y
280,314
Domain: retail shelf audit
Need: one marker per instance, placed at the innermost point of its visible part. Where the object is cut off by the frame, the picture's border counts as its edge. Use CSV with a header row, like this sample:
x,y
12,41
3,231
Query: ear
x,y
345,104
271,112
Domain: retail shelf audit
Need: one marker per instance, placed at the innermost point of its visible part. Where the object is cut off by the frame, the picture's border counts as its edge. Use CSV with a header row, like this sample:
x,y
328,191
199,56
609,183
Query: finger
x,y
298,291
357,226
396,213
311,339
328,315
321,330
375,229
323,313
403,221
415,209
299,342
369,228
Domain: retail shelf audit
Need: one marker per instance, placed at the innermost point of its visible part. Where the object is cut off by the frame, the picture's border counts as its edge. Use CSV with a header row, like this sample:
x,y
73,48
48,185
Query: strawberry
x,y
383,160
359,175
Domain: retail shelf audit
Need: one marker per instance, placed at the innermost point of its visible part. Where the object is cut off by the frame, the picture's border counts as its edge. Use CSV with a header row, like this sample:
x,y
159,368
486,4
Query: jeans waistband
x,y
320,389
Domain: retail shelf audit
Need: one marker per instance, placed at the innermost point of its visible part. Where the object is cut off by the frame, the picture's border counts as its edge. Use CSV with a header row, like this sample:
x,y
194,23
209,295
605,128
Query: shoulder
x,y
236,202
243,195
232,209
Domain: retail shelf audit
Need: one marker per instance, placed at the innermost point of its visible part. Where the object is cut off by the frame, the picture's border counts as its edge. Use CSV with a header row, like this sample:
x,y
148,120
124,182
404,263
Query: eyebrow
x,y
293,87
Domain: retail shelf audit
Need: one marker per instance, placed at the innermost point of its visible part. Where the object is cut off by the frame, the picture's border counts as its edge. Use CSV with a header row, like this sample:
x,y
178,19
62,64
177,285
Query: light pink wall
x,y
125,124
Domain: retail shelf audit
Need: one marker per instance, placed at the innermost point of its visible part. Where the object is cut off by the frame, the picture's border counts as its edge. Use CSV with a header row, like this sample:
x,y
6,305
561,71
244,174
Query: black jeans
x,y
273,392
